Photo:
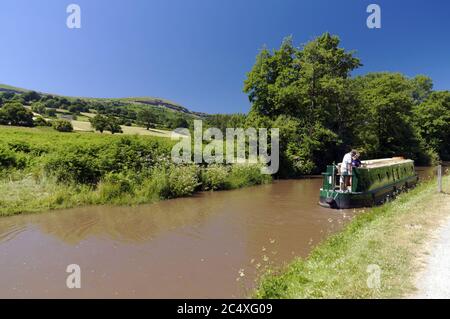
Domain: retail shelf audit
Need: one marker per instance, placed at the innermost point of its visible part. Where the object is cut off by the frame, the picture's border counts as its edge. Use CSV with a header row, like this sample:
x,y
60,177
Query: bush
x,y
246,175
62,125
214,177
181,181
15,114
126,153
7,158
74,166
40,121
19,146
114,185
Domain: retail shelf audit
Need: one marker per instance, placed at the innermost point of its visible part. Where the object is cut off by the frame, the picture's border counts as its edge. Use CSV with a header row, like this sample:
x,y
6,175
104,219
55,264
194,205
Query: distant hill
x,y
137,101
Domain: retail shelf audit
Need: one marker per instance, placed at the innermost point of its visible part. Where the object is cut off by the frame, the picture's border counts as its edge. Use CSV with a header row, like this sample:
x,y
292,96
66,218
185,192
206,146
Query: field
x,y
85,126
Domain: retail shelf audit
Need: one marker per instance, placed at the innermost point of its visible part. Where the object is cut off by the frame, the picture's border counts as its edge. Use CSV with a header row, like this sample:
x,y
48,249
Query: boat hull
x,y
344,200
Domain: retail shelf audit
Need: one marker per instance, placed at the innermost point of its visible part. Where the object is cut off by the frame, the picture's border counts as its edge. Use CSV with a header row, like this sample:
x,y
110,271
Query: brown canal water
x,y
212,245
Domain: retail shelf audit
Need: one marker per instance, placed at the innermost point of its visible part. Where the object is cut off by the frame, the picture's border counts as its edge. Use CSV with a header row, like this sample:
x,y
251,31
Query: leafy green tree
x,y
385,125
432,119
178,122
62,125
50,112
38,107
103,123
99,123
310,86
113,125
14,113
31,96
147,118
40,121
422,88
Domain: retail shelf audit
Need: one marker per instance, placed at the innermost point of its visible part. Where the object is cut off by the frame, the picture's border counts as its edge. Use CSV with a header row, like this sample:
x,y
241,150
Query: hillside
x,y
137,101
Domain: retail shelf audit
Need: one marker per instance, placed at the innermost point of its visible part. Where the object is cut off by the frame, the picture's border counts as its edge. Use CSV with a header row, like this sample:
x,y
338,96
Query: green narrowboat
x,y
371,184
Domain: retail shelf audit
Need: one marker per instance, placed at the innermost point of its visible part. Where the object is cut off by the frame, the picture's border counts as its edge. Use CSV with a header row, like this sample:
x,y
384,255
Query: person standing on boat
x,y
356,162
346,170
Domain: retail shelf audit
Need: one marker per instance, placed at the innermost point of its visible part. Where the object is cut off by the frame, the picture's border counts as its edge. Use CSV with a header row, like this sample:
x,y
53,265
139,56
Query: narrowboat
x,y
375,182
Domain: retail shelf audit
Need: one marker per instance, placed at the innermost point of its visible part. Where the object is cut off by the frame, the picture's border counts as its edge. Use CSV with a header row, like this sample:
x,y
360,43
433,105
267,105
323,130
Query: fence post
x,y
439,177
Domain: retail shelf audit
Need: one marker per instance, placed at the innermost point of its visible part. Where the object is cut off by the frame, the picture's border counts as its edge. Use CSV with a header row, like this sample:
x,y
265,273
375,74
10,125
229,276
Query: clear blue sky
x,y
197,52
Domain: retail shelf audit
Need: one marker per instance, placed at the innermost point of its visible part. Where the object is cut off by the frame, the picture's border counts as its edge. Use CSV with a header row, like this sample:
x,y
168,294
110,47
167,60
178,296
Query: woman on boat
x,y
356,162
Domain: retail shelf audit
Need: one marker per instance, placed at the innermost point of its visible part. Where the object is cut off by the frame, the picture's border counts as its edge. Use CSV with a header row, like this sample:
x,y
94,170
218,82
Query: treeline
x,y
322,111
124,111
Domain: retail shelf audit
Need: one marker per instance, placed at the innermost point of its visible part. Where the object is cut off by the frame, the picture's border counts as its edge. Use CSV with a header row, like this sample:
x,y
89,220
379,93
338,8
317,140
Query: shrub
x,y
7,158
19,146
214,177
113,185
62,125
40,121
15,114
246,175
74,166
126,153
181,181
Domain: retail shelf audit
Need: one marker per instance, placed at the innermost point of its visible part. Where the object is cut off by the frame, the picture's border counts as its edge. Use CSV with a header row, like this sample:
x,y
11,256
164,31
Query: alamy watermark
x,y
374,19
241,145
74,279
73,21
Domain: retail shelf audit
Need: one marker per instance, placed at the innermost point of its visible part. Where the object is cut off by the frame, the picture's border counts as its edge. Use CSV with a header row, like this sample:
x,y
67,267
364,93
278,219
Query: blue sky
x,y
197,52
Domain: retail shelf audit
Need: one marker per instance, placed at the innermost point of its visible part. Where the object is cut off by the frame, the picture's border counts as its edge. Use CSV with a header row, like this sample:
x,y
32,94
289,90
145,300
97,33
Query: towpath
x,y
434,281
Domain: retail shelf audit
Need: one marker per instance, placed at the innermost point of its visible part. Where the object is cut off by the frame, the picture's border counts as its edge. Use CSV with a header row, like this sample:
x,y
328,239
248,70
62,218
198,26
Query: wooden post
x,y
439,177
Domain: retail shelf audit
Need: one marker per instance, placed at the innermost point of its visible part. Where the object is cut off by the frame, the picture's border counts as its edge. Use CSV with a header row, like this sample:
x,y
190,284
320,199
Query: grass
x,y
392,236
83,125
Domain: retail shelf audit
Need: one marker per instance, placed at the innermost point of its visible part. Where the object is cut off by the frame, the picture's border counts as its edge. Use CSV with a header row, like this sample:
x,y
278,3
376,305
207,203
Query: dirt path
x,y
434,281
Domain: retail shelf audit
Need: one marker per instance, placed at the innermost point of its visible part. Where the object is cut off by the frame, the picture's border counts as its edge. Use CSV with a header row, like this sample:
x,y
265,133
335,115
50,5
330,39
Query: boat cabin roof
x,y
384,162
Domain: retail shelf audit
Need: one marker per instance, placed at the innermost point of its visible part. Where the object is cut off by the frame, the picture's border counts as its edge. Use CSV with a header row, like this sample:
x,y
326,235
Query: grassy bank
x,y
392,236
41,169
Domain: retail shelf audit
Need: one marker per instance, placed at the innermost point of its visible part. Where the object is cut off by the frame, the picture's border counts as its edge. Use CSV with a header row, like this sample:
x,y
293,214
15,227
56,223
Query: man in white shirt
x,y
346,170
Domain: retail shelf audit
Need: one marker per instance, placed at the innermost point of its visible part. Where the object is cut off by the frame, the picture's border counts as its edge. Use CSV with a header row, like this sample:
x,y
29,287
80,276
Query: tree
x,y
62,125
105,123
50,112
31,96
178,122
38,107
40,121
422,88
310,86
14,113
113,125
147,118
432,119
385,126
99,123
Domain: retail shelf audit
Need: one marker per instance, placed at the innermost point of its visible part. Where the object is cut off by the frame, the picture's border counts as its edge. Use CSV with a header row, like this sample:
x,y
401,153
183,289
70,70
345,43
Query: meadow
x,y
42,169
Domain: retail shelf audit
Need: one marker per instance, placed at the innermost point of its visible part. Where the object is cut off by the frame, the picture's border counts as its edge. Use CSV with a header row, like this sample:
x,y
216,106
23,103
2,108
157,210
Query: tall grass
x,y
43,169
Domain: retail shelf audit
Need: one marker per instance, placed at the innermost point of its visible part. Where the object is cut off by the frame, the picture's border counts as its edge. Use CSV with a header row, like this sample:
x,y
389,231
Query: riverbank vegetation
x,y
42,169
322,110
391,237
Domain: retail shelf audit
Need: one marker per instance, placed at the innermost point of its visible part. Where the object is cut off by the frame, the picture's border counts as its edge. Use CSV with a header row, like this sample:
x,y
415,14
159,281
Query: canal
x,y
211,245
